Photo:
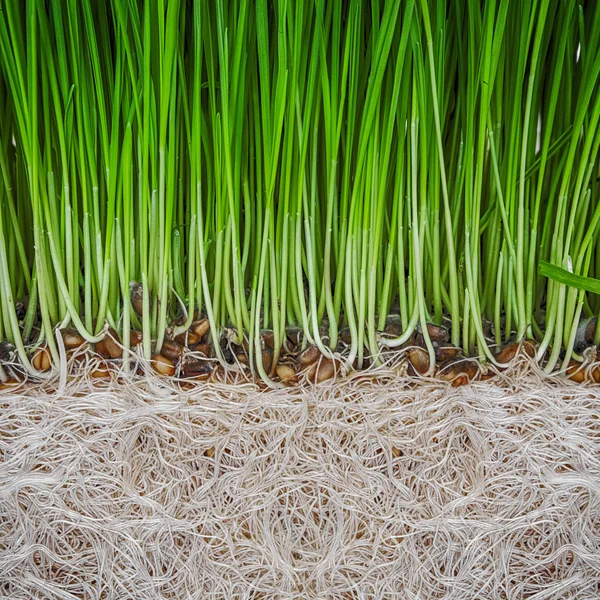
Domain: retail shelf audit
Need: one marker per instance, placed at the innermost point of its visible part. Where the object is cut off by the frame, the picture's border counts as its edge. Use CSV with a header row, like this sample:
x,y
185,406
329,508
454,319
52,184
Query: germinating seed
x,y
201,328
286,374
112,345
71,339
162,365
171,350
41,359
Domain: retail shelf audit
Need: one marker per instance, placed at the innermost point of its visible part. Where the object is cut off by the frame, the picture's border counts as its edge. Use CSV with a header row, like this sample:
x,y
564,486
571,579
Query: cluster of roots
x,y
366,489
192,355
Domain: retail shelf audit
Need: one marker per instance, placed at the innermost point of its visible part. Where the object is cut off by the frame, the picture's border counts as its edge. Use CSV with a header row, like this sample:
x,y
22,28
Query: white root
x,y
374,486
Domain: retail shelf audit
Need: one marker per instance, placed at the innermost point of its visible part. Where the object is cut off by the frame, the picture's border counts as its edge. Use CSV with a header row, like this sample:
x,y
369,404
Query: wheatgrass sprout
x,y
258,260
241,182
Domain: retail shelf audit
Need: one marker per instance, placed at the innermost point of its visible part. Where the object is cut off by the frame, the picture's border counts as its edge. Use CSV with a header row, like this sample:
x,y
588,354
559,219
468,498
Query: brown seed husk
x,y
487,375
198,368
267,360
101,348
396,452
419,360
206,349
445,352
135,338
507,353
286,374
187,338
268,339
71,339
437,333
458,371
575,371
41,359
136,295
101,371
241,355
529,347
172,350
201,328
323,370
5,385
309,356
111,344
162,365
210,452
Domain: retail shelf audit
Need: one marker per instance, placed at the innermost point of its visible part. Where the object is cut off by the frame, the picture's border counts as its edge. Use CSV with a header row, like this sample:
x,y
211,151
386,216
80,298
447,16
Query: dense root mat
x,y
366,488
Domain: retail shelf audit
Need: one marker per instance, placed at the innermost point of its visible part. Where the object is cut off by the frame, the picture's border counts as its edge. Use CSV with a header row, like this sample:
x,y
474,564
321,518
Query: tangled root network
x,y
372,487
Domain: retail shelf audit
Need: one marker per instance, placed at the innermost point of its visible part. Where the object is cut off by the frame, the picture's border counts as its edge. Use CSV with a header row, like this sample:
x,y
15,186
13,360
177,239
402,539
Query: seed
x,y
437,333
460,380
241,356
201,328
204,348
269,339
135,338
197,368
111,343
267,360
188,338
41,359
445,352
595,373
309,356
396,452
320,372
575,371
136,296
507,353
101,348
419,360
529,347
210,452
487,375
171,350
9,383
193,338
101,372
286,374
458,371
71,339
162,365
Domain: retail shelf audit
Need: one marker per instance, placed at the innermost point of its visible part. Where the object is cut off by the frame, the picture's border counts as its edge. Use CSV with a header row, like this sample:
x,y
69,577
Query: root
x,y
377,486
